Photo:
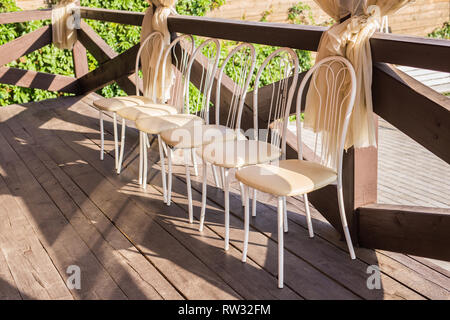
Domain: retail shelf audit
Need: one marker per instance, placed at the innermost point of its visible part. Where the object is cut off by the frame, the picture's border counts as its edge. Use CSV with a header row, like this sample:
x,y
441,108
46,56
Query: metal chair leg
x,y
194,162
102,136
246,223
188,185
116,141
169,175
204,190
226,190
344,223
254,203
145,171
163,168
141,158
280,243
122,146
308,216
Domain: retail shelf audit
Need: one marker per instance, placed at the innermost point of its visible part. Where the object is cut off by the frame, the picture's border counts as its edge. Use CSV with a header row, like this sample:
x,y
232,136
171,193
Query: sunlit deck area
x,y
61,206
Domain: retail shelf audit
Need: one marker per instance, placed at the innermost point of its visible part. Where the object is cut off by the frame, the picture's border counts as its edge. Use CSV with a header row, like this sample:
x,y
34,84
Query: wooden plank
x,y
315,251
409,51
185,271
25,44
80,61
391,289
207,246
130,270
24,16
413,230
110,71
389,48
9,289
416,110
34,273
38,80
60,240
102,52
117,16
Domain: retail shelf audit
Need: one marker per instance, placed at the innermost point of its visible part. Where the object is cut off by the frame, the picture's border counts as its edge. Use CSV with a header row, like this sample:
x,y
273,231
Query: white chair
x,y
180,50
193,113
242,60
155,108
263,148
115,104
296,177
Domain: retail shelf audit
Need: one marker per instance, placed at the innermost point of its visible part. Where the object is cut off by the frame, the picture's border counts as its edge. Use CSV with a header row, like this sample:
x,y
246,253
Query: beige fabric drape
x,y
350,39
156,20
63,32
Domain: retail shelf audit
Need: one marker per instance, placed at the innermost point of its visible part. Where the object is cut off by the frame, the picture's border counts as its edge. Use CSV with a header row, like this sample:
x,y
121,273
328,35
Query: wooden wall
x,y
418,18
32,4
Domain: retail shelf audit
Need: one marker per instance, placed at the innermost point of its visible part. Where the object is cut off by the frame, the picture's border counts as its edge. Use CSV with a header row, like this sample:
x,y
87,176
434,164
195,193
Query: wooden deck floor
x,y
61,206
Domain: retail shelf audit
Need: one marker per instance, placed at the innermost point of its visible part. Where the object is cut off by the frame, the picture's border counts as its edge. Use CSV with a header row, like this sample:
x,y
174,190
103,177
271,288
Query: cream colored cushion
x,y
239,153
158,124
117,103
198,135
150,110
287,178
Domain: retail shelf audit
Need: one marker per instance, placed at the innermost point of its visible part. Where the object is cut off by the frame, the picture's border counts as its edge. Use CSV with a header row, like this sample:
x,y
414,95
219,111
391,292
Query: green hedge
x,y
120,37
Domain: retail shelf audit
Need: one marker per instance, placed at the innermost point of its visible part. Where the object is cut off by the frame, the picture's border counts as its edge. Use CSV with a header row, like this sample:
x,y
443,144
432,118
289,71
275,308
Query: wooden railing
x,y
416,110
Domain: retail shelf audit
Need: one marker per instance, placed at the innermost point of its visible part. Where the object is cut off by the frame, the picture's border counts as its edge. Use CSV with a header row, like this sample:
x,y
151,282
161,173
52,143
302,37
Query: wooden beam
x,y
24,16
110,71
413,230
25,44
38,80
102,52
117,16
80,61
411,51
415,109
399,49
388,48
98,47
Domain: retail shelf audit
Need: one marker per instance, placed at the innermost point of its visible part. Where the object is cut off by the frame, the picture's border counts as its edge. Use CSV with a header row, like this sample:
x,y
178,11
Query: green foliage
x,y
43,60
300,14
197,7
120,37
265,15
52,60
442,32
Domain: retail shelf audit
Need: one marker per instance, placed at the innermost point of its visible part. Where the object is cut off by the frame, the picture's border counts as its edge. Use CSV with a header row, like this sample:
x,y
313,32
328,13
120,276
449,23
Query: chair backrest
x,y
240,62
178,54
280,70
336,71
153,40
207,55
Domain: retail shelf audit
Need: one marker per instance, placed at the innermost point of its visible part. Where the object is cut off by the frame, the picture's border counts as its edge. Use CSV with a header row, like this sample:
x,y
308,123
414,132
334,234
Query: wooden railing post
x,y
80,61
360,171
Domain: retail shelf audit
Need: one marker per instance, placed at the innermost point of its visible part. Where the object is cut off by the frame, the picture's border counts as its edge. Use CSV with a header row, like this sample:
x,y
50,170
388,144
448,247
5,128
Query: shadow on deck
x,y
61,206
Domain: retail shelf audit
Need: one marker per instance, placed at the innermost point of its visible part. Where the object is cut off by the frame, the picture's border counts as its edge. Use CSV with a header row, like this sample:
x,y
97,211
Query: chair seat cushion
x,y
158,124
288,178
239,153
198,135
148,110
117,103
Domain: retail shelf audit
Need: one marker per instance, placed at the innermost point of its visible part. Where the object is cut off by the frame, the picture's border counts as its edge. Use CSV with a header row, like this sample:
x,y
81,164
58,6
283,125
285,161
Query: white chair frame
x,y
205,113
143,137
281,204
152,36
225,174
